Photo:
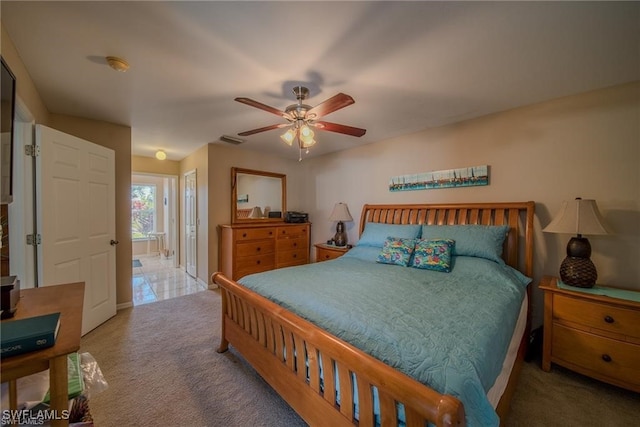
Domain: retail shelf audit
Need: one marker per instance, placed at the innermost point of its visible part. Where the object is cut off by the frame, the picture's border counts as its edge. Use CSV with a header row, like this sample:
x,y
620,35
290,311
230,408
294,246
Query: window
x,y
143,210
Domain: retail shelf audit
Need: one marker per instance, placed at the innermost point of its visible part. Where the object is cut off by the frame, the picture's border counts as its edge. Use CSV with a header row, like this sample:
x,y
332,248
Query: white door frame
x,y
191,255
22,257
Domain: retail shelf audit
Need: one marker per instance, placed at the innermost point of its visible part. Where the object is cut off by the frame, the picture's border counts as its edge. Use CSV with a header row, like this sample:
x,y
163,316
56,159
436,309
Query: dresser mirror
x,y
257,196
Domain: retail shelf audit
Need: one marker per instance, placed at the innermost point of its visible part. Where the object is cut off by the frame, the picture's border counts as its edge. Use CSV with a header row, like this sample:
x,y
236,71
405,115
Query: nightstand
x,y
326,252
594,335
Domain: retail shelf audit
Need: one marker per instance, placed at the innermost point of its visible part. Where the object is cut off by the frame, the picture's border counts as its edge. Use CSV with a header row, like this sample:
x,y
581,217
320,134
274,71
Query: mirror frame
x,y
234,195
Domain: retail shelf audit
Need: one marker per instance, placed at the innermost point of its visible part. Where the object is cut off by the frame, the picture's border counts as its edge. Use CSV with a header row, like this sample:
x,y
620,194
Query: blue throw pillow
x,y
482,241
375,233
397,251
433,255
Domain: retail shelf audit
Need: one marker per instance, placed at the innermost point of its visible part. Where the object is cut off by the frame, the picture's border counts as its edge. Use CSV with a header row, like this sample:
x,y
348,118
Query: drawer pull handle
x,y
606,358
295,255
244,234
609,319
295,245
258,262
258,249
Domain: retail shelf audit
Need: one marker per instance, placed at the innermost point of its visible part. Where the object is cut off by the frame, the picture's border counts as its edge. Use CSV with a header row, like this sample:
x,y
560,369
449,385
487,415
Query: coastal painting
x,y
462,177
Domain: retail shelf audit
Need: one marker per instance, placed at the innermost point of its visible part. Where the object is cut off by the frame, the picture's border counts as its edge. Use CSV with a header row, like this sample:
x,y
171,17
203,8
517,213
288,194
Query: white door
x,y
191,218
75,187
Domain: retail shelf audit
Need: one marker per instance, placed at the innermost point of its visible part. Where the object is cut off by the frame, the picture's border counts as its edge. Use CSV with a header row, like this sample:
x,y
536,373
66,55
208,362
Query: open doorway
x,y
154,232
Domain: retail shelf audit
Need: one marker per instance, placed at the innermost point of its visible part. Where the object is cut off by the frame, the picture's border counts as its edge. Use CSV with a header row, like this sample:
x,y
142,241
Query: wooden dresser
x,y
252,248
594,335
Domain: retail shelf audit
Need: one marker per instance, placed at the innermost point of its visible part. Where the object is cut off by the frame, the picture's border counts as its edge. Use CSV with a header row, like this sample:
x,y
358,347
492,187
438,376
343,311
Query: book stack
x,y
29,334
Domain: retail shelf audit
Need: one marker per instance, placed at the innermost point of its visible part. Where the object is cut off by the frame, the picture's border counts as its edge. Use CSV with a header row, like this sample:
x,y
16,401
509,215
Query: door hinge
x,y
33,239
32,150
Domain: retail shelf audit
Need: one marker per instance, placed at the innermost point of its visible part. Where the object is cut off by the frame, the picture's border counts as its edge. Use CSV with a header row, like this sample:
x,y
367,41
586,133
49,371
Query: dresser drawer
x,y
254,233
257,247
254,264
295,257
590,314
597,355
293,231
293,243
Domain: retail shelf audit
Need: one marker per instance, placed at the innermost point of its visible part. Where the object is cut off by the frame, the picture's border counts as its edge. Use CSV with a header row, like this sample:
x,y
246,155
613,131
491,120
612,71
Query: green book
x,y
29,334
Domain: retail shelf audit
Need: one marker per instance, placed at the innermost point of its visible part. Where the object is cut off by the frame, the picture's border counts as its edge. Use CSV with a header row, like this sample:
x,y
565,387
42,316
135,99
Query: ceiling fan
x,y
301,118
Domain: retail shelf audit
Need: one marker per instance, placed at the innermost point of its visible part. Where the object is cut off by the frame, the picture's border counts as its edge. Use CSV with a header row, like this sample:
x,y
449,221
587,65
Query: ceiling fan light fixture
x,y
307,142
306,132
288,137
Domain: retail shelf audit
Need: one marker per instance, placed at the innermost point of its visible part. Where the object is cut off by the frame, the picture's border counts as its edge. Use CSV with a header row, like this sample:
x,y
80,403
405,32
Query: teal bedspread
x,y
449,331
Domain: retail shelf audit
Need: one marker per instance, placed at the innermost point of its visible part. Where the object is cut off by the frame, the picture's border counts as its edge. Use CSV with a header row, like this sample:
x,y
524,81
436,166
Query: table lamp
x,y
340,213
578,217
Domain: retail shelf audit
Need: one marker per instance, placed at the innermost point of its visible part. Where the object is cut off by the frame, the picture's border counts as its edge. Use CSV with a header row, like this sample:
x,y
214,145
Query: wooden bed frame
x,y
270,337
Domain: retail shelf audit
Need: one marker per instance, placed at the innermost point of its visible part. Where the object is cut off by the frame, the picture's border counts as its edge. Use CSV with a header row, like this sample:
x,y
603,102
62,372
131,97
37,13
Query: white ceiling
x,y
408,65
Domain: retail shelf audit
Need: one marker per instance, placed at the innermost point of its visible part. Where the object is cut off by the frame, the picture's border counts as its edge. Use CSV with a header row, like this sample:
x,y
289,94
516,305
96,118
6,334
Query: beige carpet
x,y
162,368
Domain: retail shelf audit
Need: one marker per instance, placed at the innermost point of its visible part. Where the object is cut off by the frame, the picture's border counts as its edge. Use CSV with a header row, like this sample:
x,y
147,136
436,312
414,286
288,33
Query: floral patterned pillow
x,y
433,254
396,250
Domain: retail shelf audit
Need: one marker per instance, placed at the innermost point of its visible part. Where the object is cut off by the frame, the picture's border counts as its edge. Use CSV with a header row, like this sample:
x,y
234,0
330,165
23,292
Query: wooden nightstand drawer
x,y
328,252
589,314
591,333
596,356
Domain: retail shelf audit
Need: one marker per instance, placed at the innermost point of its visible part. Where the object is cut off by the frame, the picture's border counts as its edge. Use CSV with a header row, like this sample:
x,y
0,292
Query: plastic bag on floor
x,y
94,381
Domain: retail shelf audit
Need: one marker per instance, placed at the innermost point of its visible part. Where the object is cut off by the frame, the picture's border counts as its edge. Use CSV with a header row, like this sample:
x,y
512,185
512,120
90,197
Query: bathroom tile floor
x,y
158,280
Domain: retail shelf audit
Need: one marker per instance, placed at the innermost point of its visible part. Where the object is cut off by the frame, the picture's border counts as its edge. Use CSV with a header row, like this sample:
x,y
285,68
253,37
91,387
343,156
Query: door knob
x,y
113,242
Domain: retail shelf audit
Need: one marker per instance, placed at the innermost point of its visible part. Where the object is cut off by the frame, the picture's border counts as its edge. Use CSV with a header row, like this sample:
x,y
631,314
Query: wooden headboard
x,y
518,215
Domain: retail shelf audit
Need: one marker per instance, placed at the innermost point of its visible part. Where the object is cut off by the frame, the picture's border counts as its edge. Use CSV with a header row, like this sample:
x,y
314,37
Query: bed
x,y
333,381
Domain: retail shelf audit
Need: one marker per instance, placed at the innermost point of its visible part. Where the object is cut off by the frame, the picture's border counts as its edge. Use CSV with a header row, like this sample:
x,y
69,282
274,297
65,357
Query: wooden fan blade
x,y
264,107
332,104
334,127
264,129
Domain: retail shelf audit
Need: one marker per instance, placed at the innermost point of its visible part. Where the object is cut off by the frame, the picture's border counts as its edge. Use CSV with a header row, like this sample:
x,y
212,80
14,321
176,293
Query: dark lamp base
x,y
578,272
340,239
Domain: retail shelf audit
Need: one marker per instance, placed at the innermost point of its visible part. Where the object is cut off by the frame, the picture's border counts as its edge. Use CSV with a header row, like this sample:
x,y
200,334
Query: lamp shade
x,y
256,212
340,213
579,216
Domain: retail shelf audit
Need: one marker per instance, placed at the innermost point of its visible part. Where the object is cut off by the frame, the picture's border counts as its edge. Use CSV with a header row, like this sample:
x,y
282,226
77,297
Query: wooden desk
x,y
68,300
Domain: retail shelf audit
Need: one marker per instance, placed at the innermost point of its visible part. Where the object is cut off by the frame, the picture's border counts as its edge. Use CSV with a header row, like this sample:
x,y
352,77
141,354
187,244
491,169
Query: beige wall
x,y
152,165
585,145
25,89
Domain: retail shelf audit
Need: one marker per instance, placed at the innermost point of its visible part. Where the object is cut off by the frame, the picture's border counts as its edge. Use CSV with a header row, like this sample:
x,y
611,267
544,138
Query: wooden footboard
x,y
289,353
